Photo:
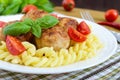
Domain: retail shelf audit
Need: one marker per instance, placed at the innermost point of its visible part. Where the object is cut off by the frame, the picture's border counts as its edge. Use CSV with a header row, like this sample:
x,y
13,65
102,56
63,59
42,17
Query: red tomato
x,y
55,15
111,15
83,28
2,24
68,4
75,35
14,46
28,8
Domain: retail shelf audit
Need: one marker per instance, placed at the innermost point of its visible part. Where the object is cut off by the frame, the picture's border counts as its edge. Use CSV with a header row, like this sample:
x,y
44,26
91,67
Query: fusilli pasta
x,y
48,57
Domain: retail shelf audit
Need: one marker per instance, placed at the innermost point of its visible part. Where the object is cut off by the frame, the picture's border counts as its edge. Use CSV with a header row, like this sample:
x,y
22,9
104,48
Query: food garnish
x,y
83,28
47,21
28,24
55,15
79,34
16,29
14,46
75,35
2,24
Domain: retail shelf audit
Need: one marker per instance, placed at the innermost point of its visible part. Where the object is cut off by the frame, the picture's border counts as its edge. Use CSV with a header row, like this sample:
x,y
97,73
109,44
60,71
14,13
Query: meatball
x,y
67,22
26,37
54,37
57,36
34,14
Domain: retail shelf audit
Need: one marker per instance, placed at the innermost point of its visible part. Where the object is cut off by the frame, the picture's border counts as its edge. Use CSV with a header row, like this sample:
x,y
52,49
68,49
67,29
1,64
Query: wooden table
x,y
97,15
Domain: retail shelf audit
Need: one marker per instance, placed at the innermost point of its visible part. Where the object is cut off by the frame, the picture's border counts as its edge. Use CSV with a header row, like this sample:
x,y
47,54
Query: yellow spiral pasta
x,y
6,56
48,57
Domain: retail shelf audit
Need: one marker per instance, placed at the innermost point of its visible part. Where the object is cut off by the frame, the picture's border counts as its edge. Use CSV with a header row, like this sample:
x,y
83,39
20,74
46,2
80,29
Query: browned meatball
x,y
34,14
26,37
54,37
67,22
57,36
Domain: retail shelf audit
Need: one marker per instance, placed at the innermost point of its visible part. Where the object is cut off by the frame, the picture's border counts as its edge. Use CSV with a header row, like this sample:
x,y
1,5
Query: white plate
x,y
109,41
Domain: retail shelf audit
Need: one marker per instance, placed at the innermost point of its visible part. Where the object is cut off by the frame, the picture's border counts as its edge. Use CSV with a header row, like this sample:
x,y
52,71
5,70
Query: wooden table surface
x,y
97,15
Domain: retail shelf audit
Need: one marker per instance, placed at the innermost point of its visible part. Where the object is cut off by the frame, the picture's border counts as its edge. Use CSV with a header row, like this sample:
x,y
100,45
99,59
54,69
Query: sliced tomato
x,y
28,8
55,15
2,24
83,28
14,46
75,35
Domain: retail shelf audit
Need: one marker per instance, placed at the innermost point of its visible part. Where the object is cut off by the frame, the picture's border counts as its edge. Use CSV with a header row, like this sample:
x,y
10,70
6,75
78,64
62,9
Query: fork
x,y
86,15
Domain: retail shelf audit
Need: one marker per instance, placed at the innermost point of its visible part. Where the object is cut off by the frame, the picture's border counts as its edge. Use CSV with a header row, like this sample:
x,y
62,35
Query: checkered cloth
x,y
109,70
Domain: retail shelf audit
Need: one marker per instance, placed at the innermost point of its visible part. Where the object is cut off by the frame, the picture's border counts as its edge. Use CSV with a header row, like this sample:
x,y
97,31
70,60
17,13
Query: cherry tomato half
x,y
75,35
14,46
68,5
28,8
111,15
83,28
55,15
2,24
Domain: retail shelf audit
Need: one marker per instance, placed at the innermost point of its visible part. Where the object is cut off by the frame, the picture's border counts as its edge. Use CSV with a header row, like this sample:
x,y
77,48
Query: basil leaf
x,y
32,1
28,21
28,24
16,1
45,5
24,3
47,21
4,2
16,6
36,30
11,9
16,29
1,9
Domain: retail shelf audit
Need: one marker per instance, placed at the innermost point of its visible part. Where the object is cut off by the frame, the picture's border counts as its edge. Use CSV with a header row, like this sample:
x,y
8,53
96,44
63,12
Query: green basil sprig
x,y
46,21
28,25
16,29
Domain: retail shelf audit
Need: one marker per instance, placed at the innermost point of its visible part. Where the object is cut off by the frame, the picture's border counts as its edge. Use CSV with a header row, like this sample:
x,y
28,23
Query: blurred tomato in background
x,y
111,15
28,8
68,5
